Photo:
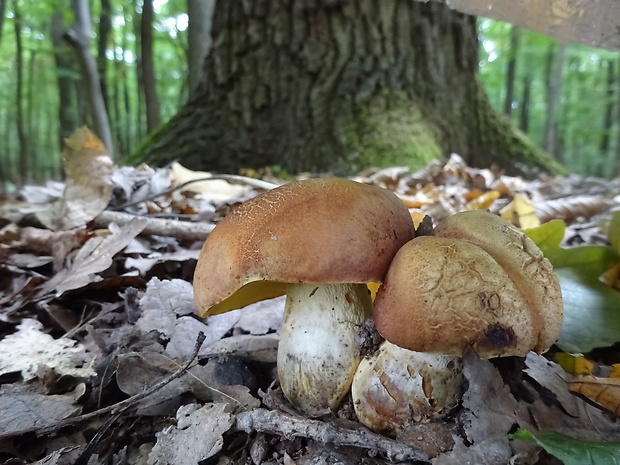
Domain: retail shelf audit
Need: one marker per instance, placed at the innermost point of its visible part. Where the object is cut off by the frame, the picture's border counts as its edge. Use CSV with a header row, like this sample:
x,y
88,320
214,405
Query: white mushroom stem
x,y
396,387
318,353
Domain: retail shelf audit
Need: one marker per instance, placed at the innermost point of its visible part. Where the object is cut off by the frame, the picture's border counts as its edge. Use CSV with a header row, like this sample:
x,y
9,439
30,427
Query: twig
x,y
183,230
119,407
279,423
232,178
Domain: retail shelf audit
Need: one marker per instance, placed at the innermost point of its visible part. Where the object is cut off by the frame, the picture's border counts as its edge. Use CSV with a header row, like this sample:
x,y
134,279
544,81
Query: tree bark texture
x,y
511,69
337,84
79,36
24,142
554,91
200,15
148,66
105,28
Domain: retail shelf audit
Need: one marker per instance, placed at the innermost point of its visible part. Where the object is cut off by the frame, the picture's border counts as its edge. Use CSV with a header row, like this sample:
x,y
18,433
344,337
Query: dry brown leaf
x,y
520,212
89,186
571,208
196,436
30,350
22,412
94,257
602,392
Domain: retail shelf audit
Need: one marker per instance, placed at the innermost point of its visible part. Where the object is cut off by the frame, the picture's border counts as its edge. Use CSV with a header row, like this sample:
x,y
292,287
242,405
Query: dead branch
x,y
282,424
182,230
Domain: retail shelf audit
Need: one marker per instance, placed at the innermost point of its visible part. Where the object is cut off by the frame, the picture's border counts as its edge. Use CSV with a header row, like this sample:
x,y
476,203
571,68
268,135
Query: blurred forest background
x,y
565,97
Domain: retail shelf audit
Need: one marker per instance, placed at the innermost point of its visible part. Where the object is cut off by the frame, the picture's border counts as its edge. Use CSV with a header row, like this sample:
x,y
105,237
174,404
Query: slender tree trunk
x,y
24,145
140,107
524,109
314,86
148,66
65,70
128,126
554,91
2,12
79,36
105,27
200,15
511,69
607,118
617,167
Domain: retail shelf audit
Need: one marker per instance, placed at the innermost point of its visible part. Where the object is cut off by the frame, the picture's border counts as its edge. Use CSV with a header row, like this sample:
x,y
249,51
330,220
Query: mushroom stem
x,y
396,387
318,353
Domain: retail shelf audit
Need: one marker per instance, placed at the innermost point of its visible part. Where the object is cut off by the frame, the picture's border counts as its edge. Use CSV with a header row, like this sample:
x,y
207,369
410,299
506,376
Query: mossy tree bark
x,y
335,84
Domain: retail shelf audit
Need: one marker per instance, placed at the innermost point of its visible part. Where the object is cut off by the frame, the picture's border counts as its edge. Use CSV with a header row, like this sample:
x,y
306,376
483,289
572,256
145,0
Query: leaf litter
x,y
89,353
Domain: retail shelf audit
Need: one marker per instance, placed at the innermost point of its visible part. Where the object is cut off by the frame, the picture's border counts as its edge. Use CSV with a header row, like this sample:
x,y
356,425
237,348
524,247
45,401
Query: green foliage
x,y
583,98
591,316
573,451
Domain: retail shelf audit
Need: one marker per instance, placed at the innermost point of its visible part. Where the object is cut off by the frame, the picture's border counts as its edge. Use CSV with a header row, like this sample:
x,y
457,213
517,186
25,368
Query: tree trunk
x,y
315,85
607,168
105,27
24,145
148,67
200,15
140,108
511,69
65,70
554,91
524,110
79,38
2,12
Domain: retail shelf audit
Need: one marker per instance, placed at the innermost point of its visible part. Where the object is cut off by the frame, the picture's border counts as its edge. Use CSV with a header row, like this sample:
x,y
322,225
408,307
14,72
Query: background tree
x,y
318,86
79,37
148,67
200,19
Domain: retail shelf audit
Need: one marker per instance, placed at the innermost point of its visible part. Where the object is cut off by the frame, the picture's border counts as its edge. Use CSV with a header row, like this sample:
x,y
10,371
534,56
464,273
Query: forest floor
x,y
101,359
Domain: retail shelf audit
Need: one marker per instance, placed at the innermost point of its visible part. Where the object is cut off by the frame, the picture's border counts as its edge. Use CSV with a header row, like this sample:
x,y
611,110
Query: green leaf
x,y
574,451
613,231
591,312
591,308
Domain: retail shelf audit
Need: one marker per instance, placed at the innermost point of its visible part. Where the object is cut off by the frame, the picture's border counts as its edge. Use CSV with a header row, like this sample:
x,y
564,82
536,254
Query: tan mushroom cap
x,y
317,231
489,288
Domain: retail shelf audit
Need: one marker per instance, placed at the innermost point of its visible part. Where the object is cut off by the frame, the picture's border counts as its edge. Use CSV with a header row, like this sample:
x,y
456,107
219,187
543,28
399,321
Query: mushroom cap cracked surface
x,y
477,281
317,231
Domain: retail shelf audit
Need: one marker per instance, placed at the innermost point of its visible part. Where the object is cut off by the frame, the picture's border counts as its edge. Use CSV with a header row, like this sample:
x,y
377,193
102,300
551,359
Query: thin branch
x,y
282,424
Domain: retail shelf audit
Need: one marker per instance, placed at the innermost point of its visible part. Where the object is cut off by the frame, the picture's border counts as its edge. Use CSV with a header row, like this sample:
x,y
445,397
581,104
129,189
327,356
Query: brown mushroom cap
x,y
494,292
317,231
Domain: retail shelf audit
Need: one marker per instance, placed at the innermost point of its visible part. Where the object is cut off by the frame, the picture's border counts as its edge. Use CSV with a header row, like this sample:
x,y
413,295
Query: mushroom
x,y
395,387
476,282
319,241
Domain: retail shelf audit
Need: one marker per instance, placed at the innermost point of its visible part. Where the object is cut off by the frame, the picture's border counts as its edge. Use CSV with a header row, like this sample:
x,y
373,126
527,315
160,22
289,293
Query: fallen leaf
x,y
94,257
603,392
573,451
556,409
591,318
569,209
482,202
196,436
575,364
25,412
217,189
30,350
521,213
88,189
166,307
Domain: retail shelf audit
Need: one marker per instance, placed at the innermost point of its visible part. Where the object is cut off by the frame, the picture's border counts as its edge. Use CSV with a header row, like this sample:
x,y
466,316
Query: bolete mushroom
x,y
319,241
476,282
